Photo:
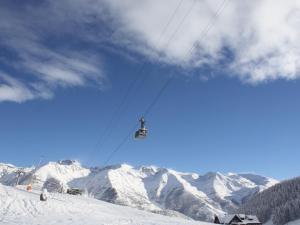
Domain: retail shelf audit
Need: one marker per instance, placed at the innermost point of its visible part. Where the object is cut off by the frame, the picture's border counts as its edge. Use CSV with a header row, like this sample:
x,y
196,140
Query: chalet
x,y
237,219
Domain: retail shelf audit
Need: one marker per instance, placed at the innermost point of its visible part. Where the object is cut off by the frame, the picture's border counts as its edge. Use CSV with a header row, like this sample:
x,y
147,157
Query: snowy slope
x,y
19,207
295,222
160,190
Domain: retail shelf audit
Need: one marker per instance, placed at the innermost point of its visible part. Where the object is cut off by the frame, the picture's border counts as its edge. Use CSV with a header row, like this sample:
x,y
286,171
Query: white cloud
x,y
262,35
43,67
254,40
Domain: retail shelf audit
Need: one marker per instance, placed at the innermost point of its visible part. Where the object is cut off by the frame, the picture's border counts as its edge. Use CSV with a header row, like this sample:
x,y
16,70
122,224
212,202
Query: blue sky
x,y
232,104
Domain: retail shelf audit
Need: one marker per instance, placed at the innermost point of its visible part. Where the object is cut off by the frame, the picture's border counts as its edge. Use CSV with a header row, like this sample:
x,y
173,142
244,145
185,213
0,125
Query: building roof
x,y
244,219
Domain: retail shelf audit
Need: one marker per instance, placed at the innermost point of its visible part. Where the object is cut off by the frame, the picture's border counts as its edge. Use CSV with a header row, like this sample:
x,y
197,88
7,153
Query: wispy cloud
x,y
13,90
42,65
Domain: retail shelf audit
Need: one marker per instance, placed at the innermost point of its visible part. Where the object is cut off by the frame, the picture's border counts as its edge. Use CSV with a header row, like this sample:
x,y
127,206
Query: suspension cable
x,y
164,87
116,114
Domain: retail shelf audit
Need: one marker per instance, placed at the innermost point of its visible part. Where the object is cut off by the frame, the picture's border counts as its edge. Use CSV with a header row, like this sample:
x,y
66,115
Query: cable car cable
x,y
132,84
146,112
144,77
205,31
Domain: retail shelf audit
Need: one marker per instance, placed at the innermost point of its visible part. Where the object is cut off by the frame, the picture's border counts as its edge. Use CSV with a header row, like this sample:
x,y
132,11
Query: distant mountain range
x,y
154,189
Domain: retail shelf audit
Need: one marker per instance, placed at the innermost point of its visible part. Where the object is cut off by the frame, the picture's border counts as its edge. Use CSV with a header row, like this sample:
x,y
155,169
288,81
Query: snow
x,y
257,179
19,207
295,222
61,171
154,189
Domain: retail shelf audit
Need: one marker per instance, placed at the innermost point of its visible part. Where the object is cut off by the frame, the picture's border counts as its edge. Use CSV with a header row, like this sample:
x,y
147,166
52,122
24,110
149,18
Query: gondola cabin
x,y
142,132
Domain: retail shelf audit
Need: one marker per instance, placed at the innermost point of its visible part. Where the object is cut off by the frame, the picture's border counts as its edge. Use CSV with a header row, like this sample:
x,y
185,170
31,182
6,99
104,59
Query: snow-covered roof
x,y
244,219
226,219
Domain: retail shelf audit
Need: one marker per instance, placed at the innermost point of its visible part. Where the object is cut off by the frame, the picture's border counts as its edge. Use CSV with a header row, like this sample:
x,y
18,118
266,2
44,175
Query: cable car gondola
x,y
142,132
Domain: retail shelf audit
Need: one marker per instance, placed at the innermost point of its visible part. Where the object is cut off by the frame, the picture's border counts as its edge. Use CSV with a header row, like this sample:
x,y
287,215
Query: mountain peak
x,y
148,187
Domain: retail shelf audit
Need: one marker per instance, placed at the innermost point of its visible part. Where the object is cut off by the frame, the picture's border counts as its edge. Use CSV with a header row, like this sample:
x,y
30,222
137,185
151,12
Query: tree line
x,y
281,203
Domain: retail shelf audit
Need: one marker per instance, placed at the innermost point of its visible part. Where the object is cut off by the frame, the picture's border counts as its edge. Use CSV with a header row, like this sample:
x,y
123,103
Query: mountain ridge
x,y
150,188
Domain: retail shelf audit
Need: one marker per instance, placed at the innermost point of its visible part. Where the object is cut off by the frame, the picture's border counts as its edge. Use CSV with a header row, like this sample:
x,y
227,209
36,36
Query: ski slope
x,y
20,207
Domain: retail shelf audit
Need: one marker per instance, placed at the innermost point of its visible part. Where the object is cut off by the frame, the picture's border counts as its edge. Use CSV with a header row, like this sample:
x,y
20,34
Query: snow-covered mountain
x,y
159,190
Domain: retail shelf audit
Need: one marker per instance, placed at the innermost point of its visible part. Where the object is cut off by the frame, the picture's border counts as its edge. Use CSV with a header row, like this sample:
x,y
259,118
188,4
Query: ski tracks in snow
x,y
19,207
7,203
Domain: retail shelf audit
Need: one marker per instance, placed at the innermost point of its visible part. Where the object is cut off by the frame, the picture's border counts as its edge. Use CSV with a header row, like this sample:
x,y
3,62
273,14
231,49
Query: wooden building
x,y
237,219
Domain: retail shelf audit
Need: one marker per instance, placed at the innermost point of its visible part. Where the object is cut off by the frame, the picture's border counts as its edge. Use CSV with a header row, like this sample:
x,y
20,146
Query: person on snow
x,y
44,195
29,187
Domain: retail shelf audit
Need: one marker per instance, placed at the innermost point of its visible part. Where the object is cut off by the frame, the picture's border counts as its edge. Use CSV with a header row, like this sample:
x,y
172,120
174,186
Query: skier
x,y
44,195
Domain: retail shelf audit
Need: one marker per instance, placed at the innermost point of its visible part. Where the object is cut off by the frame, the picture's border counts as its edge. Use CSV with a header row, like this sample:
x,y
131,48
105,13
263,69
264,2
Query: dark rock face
x,y
67,162
53,185
110,195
